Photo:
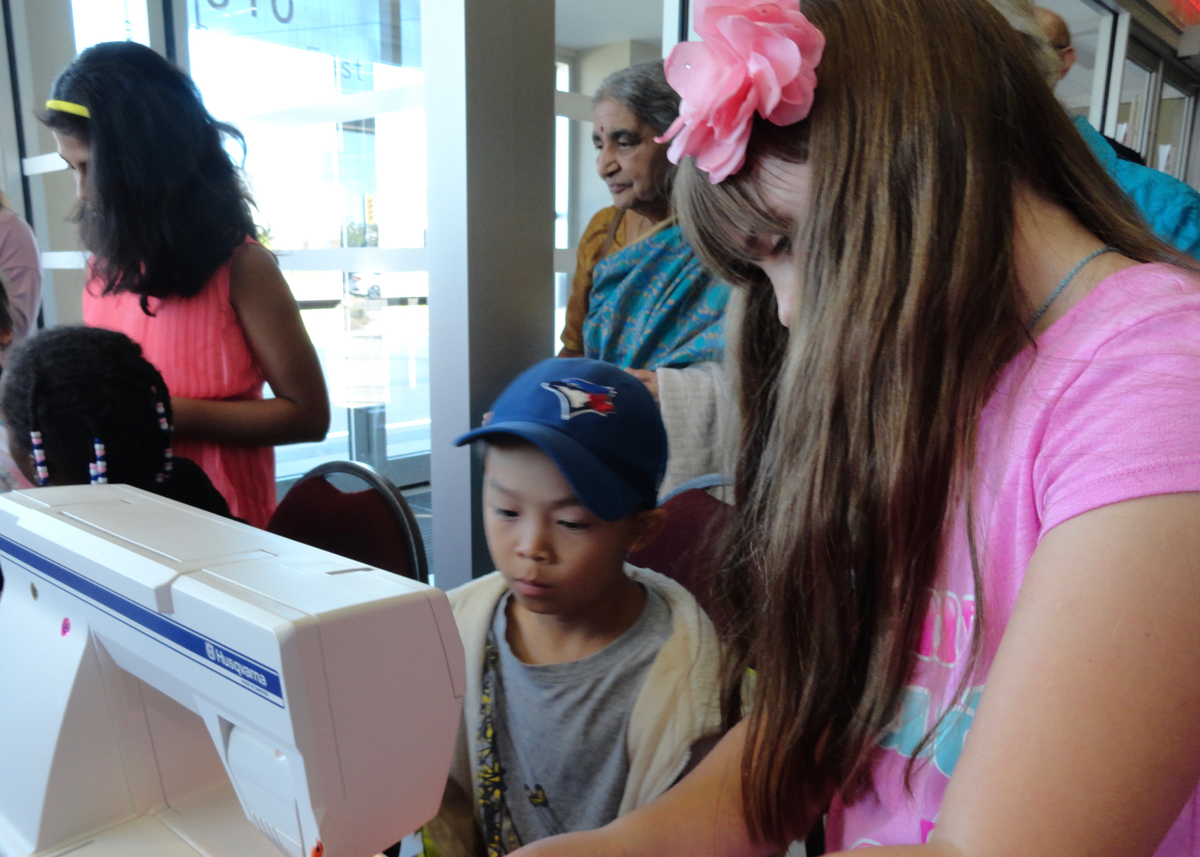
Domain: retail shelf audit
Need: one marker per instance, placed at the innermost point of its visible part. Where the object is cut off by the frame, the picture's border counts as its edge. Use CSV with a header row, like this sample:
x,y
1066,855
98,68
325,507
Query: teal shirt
x,y
654,305
1170,207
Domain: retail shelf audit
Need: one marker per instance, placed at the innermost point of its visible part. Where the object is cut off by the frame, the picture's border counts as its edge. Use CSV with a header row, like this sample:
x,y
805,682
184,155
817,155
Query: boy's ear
x,y
650,523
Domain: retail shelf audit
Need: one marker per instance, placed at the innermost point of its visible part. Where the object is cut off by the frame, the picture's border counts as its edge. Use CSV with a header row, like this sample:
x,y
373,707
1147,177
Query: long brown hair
x,y
858,424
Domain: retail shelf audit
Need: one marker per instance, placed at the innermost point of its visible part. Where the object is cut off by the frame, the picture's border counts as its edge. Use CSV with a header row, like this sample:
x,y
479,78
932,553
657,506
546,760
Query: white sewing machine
x,y
173,683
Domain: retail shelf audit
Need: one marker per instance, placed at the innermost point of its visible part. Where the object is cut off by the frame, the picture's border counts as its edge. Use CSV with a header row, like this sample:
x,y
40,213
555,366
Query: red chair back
x,y
373,526
684,547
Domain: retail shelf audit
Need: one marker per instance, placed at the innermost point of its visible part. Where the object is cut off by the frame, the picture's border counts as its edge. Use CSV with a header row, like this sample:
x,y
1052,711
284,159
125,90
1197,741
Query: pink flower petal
x,y
783,54
694,71
725,159
766,83
756,56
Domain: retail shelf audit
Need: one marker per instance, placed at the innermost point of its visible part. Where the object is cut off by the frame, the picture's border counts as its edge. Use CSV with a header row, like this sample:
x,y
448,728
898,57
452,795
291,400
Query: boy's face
x,y
557,556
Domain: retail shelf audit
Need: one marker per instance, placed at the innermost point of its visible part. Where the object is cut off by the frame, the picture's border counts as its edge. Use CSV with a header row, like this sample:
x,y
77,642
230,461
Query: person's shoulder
x,y
1128,304
1121,370
250,259
15,231
601,220
672,591
688,619
1166,202
480,594
1160,181
597,230
1155,289
474,606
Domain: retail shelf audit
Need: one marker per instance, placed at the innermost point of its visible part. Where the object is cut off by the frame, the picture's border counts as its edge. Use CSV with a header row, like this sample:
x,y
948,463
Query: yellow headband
x,y
69,107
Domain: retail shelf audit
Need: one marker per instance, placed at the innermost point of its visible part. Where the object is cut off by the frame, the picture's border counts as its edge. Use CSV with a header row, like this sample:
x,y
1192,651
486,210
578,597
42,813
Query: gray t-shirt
x,y
561,728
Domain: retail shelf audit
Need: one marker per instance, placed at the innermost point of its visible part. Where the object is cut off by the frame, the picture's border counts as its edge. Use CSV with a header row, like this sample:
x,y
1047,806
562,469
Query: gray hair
x,y
643,88
1021,14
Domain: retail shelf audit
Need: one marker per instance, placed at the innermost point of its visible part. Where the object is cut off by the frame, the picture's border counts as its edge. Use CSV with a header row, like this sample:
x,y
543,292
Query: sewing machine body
x,y
176,683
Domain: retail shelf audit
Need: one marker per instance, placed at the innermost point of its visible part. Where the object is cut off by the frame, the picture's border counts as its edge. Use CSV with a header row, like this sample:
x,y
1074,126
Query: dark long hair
x,y
858,432
166,204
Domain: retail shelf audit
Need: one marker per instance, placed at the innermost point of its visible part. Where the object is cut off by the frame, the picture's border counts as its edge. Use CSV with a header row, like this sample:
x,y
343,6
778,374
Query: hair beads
x,y
39,458
168,455
99,468
99,410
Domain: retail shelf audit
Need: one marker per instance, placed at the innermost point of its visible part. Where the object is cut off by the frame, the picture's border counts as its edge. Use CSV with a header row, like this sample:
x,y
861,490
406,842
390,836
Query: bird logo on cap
x,y
582,397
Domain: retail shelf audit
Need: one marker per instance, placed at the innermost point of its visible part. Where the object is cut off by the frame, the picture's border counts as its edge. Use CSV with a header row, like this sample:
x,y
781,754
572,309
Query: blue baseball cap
x,y
598,423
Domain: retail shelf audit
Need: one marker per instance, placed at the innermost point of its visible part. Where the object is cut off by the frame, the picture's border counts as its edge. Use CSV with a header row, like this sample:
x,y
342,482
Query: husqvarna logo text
x,y
219,656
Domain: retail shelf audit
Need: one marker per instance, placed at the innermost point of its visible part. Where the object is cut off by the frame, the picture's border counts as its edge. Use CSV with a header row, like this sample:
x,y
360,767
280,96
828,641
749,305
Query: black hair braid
x,y
79,384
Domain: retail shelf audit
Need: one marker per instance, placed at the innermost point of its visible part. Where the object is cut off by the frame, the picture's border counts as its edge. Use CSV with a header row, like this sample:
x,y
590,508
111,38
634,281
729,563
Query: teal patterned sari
x,y
653,305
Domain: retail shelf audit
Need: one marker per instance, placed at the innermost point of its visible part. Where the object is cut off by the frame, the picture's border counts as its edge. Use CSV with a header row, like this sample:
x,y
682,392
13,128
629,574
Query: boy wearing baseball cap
x,y
589,680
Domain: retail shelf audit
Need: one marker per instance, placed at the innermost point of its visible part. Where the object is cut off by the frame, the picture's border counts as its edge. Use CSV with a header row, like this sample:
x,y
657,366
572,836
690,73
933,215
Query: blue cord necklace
x,y
1041,311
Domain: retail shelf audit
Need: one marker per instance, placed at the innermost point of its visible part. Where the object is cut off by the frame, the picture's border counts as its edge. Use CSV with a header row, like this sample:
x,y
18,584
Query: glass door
x,y
1172,137
1134,105
329,96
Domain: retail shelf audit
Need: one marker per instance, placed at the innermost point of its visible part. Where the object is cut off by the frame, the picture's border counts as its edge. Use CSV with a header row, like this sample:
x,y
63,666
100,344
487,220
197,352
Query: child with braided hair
x,y
83,405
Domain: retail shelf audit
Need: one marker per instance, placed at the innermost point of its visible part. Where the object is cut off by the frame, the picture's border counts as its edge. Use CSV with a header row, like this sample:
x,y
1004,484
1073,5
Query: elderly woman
x,y
641,299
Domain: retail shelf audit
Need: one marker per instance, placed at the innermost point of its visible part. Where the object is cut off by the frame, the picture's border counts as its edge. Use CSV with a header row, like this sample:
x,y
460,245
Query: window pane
x,y
329,96
1075,90
1131,113
323,326
109,21
408,409
1082,21
1168,149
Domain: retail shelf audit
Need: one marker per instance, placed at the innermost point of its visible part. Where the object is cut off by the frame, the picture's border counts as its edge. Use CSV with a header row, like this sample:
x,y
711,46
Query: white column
x,y
489,96
1116,62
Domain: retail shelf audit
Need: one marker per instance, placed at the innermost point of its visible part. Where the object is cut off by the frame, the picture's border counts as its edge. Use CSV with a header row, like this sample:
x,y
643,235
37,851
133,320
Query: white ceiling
x,y
580,24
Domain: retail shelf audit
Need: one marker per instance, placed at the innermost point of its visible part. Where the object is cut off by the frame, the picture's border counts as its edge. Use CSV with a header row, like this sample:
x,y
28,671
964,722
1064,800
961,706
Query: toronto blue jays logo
x,y
582,397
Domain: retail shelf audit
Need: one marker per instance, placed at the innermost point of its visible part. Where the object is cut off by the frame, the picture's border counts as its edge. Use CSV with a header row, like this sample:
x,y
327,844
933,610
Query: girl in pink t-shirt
x,y
176,267
965,561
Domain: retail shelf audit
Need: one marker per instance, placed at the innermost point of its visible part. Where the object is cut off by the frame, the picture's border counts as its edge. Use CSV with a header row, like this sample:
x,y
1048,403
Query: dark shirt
x,y
1124,152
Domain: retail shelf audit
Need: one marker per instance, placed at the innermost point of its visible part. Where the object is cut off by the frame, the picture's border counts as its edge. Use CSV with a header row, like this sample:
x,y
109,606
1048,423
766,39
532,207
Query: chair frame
x,y
395,500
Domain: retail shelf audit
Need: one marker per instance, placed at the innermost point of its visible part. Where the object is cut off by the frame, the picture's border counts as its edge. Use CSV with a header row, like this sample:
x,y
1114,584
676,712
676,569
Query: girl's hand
x,y
275,333
648,377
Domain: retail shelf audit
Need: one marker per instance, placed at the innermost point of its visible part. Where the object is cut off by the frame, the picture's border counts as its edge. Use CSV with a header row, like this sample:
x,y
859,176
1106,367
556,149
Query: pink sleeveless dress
x,y
198,345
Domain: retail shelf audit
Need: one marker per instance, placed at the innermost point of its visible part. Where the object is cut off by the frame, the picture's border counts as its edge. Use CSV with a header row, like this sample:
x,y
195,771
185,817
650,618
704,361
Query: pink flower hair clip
x,y
756,56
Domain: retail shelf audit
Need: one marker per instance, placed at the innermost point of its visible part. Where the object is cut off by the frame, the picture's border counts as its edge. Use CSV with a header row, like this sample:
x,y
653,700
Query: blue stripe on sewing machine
x,y
229,663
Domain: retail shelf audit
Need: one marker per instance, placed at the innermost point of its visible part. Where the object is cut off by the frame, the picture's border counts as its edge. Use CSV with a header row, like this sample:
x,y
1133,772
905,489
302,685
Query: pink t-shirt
x,y
1105,408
